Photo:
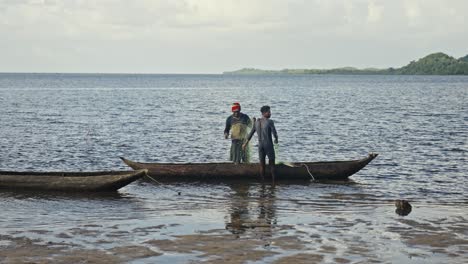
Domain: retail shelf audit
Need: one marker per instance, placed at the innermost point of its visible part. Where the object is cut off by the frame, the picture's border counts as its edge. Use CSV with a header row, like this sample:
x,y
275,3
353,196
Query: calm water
x,y
418,125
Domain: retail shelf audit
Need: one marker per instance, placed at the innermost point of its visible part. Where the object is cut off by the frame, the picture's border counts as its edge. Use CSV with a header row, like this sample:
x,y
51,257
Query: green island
x,y
433,64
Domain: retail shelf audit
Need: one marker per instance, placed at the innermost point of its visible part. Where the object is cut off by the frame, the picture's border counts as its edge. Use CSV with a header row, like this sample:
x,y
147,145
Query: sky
x,y
212,36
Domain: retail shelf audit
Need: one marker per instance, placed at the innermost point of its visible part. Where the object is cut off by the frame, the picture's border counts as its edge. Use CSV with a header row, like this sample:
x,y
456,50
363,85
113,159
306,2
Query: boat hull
x,y
69,181
330,170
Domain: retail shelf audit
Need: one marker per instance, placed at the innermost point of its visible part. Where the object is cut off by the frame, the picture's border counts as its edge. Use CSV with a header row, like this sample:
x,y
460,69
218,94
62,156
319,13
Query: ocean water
x,y
84,122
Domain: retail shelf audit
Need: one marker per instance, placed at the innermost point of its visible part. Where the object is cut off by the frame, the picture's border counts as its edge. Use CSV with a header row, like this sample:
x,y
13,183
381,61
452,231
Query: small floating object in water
x,y
403,207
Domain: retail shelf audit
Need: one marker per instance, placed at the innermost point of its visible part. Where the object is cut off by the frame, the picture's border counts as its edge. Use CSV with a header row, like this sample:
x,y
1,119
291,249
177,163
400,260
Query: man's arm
x,y
249,137
273,131
251,133
228,127
249,121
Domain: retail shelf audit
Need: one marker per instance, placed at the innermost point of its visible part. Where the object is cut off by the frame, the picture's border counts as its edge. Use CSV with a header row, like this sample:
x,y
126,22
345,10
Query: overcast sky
x,y
212,36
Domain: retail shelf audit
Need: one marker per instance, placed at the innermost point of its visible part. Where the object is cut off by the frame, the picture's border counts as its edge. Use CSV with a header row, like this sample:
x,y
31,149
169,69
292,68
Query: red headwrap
x,y
235,107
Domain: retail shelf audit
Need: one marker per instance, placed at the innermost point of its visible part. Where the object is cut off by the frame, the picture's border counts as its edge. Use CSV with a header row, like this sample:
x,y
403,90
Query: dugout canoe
x,y
101,181
325,170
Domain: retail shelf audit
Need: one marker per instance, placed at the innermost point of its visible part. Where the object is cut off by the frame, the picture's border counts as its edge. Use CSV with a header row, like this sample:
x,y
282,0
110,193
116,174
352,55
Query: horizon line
x,y
110,73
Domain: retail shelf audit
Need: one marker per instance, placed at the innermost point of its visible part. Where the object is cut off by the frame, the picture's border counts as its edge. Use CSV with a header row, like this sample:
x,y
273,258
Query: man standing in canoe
x,y
265,128
238,124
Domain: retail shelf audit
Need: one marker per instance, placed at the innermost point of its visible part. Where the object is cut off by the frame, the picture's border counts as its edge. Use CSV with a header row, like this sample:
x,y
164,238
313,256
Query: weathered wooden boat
x,y
69,181
328,170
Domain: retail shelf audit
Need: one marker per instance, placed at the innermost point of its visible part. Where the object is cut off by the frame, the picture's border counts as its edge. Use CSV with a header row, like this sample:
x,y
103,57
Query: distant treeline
x,y
433,64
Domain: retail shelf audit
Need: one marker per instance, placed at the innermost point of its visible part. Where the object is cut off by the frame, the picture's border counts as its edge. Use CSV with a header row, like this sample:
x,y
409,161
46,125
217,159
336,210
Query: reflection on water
x,y
251,209
57,195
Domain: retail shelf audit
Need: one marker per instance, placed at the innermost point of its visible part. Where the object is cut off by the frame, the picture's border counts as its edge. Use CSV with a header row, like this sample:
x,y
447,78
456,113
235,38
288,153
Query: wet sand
x,y
233,223
252,240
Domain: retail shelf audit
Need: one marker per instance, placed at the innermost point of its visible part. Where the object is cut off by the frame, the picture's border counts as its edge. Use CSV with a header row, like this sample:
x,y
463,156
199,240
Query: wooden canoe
x,y
328,170
68,181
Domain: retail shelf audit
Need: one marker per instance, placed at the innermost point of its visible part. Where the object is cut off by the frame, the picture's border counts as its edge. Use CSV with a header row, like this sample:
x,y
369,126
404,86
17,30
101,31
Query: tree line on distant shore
x,y
433,64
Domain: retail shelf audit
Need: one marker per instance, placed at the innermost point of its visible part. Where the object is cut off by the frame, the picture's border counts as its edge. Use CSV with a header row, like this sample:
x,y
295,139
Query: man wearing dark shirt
x,y
238,124
265,128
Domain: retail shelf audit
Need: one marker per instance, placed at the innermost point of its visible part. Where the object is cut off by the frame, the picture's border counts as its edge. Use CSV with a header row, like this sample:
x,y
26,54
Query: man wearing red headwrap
x,y
238,124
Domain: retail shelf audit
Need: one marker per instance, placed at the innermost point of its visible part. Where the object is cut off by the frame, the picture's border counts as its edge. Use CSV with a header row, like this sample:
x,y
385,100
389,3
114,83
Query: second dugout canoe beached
x,y
69,181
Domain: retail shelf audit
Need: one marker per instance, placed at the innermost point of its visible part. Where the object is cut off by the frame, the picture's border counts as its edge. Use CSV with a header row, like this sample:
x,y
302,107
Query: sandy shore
x,y
255,242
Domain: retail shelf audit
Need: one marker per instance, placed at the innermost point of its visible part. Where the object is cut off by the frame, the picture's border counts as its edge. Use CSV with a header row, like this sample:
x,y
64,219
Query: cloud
x,y
118,19
374,12
256,30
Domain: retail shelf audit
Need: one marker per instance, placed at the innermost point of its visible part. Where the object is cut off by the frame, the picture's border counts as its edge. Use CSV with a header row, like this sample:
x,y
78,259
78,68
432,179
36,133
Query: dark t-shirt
x,y
265,128
239,126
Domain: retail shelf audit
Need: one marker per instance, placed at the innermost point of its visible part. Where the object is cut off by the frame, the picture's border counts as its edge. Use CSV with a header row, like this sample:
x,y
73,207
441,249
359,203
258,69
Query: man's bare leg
x,y
262,169
273,169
